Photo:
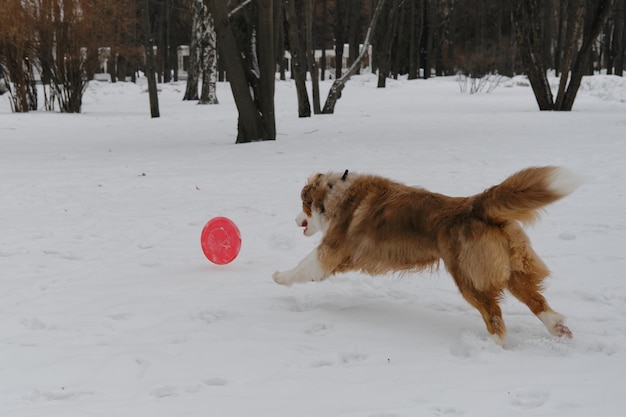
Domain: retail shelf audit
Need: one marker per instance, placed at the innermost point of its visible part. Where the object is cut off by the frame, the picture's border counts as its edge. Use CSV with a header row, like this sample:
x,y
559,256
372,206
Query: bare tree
x,y
17,53
150,68
619,38
64,39
577,47
339,84
310,55
253,88
297,49
387,33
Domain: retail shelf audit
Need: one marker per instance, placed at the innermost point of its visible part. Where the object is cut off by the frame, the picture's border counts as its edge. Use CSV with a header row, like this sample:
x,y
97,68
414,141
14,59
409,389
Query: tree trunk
x,y
267,66
528,30
252,124
398,43
298,59
527,19
338,85
607,58
148,45
560,35
212,56
208,59
573,33
195,51
384,63
425,41
354,29
413,41
547,33
310,53
619,36
279,36
164,52
583,58
121,68
323,40
340,36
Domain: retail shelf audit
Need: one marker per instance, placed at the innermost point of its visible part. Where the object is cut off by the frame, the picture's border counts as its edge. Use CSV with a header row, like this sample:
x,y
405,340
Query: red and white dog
x,y
375,225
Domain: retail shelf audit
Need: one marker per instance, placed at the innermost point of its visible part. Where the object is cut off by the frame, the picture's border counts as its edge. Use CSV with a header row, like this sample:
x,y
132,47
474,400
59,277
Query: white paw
x,y
554,322
497,340
282,278
562,330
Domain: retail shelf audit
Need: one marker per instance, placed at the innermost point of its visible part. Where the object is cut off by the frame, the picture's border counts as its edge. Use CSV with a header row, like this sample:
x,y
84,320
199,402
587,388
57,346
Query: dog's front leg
x,y
308,269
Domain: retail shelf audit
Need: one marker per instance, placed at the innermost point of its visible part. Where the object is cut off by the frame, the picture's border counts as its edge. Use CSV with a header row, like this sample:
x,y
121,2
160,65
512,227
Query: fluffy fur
x,y
375,225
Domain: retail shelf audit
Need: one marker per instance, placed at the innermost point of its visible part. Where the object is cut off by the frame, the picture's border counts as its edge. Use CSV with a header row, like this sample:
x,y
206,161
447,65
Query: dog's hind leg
x,y
526,287
308,269
486,302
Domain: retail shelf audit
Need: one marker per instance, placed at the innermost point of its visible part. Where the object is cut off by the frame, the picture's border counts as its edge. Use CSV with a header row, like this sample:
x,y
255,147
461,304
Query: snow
x,y
109,308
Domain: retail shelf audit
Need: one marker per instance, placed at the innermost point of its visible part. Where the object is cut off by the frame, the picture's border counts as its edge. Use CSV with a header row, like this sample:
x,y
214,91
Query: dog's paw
x,y
562,330
554,322
282,278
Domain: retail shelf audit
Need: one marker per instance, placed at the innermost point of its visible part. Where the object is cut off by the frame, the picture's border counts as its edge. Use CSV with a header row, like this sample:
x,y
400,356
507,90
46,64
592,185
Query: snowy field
x,y
109,308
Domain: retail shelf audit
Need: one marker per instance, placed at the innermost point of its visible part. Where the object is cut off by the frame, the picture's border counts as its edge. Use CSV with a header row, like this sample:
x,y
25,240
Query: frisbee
x,y
220,240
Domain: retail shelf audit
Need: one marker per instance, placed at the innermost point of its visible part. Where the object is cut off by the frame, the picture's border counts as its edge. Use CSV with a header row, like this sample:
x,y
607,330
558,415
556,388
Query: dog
x,y
375,225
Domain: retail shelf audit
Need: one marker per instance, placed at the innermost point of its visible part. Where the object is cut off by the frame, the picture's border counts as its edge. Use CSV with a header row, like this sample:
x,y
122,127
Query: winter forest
x,y
61,45
127,125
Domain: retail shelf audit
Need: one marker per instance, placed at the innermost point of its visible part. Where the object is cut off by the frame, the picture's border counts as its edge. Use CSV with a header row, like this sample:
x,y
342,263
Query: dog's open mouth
x,y
305,224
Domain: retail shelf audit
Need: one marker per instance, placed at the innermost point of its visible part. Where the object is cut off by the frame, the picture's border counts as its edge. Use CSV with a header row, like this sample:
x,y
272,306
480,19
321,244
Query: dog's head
x,y
314,196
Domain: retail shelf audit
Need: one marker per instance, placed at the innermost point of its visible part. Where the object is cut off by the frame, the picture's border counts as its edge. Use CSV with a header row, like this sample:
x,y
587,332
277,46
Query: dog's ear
x,y
308,194
307,199
314,193
343,178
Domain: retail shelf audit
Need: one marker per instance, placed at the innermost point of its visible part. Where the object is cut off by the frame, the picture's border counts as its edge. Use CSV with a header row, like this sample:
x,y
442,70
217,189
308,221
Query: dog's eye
x,y
330,185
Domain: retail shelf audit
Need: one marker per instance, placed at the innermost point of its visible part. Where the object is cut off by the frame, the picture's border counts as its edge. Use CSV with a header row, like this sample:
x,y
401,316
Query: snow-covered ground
x,y
109,308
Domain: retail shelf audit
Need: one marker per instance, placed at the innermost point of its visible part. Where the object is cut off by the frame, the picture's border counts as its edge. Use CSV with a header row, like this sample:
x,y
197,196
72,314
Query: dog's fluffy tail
x,y
520,196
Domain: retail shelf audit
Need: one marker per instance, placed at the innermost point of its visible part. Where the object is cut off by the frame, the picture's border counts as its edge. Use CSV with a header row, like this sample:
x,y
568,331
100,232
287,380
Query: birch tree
x,y
202,56
191,90
209,61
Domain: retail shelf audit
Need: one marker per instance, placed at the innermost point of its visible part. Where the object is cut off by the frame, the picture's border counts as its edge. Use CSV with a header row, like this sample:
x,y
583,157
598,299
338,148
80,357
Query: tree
x,y
339,84
619,38
195,51
340,35
297,48
387,33
64,41
577,47
310,55
150,69
17,53
202,56
251,82
208,94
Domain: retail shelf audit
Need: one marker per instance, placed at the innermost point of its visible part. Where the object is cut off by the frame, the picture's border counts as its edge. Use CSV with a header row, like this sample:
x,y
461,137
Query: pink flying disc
x,y
220,240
